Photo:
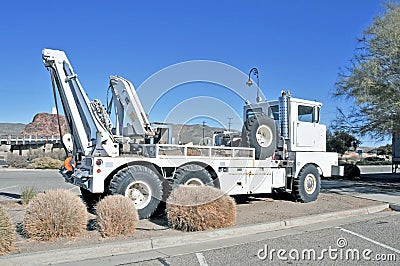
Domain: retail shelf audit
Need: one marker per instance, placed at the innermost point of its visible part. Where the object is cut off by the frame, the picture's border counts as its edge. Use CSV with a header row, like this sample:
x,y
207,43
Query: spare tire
x,y
261,135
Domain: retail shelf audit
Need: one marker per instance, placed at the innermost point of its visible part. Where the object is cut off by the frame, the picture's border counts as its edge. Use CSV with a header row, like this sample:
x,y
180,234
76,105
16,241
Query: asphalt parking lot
x,y
375,181
14,181
357,240
260,220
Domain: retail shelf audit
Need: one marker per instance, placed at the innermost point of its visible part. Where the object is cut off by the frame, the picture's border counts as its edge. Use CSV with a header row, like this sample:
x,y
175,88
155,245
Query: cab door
x,y
309,132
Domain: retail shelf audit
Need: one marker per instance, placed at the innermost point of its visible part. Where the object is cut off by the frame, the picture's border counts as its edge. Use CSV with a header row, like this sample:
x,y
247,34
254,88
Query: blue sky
x,y
296,45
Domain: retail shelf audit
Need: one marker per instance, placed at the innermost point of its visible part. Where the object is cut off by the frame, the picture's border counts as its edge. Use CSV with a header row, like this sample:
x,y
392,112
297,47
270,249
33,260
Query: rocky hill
x,y
45,124
192,133
11,128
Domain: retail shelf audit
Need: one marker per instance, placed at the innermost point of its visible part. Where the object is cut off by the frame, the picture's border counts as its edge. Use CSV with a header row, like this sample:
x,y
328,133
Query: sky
x,y
296,45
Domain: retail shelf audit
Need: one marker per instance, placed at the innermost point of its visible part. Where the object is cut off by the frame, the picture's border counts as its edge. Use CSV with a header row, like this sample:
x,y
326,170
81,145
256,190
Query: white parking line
x,y
4,188
201,259
370,240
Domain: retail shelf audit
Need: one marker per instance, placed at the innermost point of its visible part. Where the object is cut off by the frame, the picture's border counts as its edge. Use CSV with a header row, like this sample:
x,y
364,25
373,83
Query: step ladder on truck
x,y
282,147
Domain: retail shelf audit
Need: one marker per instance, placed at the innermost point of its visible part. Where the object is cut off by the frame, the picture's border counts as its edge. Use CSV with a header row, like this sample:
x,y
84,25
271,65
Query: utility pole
x,y
229,123
204,123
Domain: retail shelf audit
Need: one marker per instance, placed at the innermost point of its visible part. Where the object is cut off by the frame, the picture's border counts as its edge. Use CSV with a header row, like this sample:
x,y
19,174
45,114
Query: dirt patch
x,y
250,210
259,210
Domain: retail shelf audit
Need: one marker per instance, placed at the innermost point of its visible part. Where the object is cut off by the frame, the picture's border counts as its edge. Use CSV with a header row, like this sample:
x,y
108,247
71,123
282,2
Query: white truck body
x,y
236,174
282,147
236,169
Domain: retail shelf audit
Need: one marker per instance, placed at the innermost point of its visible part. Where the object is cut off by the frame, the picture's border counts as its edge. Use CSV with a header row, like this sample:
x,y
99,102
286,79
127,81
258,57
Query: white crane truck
x,y
283,147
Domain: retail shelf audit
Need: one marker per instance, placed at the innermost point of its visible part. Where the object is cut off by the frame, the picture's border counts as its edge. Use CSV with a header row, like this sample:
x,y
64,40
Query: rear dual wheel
x,y
142,185
194,175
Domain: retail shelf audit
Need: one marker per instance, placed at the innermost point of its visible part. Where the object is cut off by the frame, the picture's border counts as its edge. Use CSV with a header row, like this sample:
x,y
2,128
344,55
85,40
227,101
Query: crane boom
x,y
126,99
87,125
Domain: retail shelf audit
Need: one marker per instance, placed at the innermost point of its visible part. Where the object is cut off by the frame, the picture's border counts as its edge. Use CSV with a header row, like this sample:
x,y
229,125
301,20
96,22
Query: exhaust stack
x,y
284,114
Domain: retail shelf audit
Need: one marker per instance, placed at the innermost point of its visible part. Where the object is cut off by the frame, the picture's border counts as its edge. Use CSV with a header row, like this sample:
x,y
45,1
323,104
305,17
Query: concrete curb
x,y
335,215
114,249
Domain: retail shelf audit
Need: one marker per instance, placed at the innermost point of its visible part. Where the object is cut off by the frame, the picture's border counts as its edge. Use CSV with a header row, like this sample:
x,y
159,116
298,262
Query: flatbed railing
x,y
169,150
24,139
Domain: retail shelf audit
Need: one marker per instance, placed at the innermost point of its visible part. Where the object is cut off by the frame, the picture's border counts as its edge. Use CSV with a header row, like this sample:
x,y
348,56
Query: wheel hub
x,y
139,193
264,136
310,183
136,195
194,182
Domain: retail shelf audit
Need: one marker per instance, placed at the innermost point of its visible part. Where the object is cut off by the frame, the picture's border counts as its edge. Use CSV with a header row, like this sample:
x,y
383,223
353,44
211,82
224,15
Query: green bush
x,y
116,215
53,214
7,235
45,163
197,208
27,194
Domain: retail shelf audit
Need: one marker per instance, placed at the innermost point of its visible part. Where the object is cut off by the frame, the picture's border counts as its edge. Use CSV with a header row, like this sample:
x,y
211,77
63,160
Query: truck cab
x,y
297,122
304,129
299,136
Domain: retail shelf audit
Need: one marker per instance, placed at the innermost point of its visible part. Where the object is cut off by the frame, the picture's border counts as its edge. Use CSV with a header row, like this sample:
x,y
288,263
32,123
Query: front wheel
x,y
142,185
307,186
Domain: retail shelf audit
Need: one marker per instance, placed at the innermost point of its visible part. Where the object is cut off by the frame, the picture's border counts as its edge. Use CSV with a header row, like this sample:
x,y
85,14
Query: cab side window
x,y
275,112
308,114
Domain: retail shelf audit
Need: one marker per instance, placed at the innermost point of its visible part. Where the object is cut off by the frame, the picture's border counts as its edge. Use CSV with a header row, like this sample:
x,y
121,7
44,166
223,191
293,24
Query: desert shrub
x,y
16,161
116,215
45,163
55,213
35,153
197,208
7,236
27,194
57,154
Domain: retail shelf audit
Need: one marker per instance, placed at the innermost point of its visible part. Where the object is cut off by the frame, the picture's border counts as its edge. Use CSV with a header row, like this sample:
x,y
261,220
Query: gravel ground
x,y
250,210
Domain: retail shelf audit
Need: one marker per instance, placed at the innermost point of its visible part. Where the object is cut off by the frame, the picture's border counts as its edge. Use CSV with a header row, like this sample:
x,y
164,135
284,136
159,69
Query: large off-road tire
x,y
91,199
244,138
261,135
307,186
142,185
192,174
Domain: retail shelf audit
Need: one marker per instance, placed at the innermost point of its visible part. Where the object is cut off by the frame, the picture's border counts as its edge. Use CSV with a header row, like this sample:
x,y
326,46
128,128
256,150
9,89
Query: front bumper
x,y
78,177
